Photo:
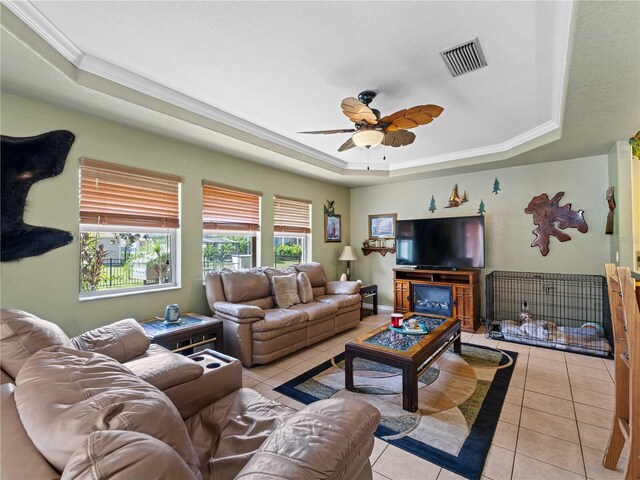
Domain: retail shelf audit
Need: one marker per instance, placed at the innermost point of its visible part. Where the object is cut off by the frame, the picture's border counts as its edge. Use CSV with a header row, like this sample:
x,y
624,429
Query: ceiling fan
x,y
371,130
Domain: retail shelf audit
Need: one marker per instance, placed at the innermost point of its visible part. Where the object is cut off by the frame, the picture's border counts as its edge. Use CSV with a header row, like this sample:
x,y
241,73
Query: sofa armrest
x,y
327,439
122,341
239,312
343,288
222,375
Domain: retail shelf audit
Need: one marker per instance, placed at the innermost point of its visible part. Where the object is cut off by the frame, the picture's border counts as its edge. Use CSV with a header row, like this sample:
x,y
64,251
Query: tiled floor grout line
x,y
573,404
515,447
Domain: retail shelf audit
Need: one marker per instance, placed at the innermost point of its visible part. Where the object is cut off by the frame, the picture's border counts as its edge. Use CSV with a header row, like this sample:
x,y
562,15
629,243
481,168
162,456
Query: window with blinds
x,y
231,222
225,209
292,231
291,216
112,194
128,229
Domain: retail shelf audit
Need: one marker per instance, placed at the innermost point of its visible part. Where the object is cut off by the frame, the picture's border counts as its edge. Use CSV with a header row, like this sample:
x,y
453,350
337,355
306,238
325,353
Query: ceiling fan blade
x,y
347,145
399,138
326,132
358,111
433,110
413,117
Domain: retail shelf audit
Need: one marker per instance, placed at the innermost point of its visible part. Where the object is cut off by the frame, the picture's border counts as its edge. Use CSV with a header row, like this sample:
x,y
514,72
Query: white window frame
x,y
175,262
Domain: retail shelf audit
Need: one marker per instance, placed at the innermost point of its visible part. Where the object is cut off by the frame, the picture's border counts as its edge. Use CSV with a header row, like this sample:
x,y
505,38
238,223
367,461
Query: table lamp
x,y
348,254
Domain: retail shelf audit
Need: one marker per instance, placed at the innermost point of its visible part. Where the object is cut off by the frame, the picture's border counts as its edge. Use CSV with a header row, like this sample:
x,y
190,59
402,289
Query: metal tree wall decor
x,y
432,205
496,186
549,217
481,208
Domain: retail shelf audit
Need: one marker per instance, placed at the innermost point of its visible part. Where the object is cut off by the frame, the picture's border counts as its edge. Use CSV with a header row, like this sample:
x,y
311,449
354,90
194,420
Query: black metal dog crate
x,y
555,310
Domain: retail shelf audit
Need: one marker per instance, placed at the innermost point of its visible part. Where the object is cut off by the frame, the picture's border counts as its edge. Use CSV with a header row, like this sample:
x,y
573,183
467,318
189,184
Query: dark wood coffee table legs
x,y
348,370
409,388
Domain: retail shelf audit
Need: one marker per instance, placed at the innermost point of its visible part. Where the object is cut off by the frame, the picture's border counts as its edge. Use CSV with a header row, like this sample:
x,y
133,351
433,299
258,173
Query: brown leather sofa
x,y
258,330
75,414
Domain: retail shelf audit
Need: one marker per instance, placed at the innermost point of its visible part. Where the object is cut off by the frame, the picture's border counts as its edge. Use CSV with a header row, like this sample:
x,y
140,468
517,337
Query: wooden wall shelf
x,y
382,251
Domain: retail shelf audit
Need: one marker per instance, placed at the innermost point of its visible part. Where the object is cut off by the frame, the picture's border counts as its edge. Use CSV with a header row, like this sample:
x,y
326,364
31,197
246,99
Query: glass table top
x,y
154,327
403,341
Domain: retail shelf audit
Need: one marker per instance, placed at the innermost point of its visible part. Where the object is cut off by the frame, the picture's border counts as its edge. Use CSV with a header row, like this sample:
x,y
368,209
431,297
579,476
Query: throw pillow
x,y
286,290
304,288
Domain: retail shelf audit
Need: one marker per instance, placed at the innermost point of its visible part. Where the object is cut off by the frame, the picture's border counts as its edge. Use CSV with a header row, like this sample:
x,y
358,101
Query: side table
x,y
369,291
191,331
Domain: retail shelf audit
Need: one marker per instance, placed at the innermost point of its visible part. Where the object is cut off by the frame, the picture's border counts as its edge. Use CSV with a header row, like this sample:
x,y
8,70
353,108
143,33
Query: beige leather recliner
x,y
73,414
257,331
187,383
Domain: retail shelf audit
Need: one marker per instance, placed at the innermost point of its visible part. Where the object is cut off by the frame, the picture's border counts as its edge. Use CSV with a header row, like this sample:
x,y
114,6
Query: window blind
x,y
291,216
112,194
228,209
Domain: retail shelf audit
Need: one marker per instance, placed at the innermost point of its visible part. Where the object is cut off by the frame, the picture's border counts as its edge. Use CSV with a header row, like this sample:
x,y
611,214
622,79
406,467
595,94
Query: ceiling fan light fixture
x,y
368,138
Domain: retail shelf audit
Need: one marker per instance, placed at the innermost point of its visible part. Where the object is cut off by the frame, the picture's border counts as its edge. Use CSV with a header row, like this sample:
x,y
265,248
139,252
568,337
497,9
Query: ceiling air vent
x,y
464,58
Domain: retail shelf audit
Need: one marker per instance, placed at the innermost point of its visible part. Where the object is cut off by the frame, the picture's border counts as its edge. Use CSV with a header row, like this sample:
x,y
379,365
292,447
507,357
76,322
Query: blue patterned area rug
x,y
459,401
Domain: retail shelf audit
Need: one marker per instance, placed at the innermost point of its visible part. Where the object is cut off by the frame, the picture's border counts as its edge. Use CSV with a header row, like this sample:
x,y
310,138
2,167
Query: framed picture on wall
x,y
332,228
383,225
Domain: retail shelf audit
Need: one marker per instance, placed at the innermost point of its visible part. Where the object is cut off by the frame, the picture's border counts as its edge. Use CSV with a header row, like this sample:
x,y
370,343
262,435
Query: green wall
x,y
508,229
48,285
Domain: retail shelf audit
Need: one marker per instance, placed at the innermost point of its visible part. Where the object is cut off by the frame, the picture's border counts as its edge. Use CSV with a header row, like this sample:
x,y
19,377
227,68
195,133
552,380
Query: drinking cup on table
x,y
172,313
396,320
412,323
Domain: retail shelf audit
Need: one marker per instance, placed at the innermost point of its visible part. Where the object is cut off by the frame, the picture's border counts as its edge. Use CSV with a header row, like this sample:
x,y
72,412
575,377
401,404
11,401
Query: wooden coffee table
x,y
414,354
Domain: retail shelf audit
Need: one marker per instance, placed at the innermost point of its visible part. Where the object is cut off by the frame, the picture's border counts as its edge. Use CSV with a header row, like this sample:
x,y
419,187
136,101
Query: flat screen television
x,y
450,243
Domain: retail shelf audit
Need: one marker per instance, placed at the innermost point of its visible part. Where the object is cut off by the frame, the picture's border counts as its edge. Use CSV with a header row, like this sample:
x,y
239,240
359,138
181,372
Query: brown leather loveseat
x,y
75,414
269,313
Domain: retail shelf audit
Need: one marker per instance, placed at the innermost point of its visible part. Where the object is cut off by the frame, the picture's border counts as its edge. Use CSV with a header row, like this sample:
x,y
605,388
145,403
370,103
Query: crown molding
x,y
489,150
40,24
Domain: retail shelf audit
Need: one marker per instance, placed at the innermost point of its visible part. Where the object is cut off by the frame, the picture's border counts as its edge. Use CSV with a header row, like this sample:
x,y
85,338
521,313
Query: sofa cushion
x,y
315,272
285,289
122,455
242,285
164,369
240,422
279,318
22,335
316,310
63,395
304,288
123,340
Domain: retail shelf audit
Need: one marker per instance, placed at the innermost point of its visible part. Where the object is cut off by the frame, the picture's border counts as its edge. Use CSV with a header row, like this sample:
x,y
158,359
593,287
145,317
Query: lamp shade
x,y
348,254
367,138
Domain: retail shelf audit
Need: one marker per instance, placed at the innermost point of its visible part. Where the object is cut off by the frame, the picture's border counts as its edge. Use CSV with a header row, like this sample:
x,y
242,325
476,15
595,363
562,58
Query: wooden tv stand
x,y
465,285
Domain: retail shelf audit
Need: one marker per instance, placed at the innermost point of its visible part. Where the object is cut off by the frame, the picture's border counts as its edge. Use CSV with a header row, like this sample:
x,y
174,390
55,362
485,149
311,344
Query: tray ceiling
x,y
259,72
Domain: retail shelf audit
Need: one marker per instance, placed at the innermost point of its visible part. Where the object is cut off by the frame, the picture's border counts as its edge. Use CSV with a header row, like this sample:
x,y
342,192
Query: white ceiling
x,y
246,76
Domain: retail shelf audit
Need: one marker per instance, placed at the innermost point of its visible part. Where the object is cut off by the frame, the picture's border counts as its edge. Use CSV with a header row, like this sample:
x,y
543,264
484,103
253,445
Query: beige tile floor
x,y
554,423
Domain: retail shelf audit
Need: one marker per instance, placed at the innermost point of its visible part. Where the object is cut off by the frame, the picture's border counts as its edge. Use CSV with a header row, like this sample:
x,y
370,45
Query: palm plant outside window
x,y
129,219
